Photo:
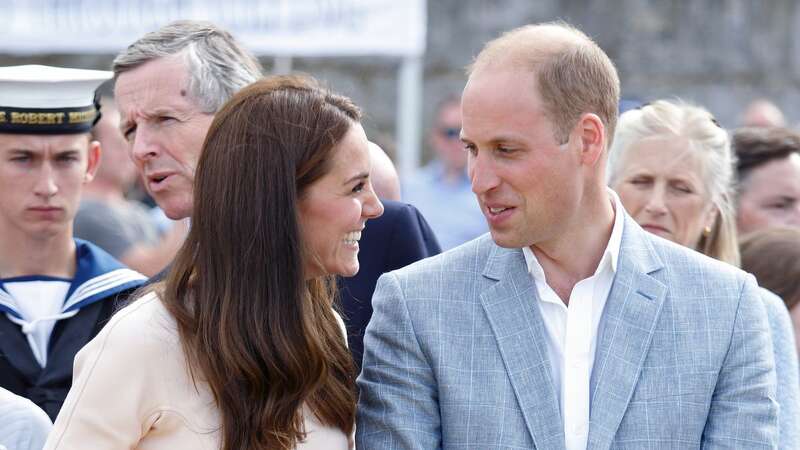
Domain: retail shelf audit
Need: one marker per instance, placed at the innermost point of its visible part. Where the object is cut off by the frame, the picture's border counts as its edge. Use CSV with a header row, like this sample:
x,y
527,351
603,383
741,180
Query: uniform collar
x,y
98,276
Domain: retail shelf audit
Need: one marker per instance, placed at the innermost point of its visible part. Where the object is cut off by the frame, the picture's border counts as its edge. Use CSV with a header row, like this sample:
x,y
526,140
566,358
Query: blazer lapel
x,y
629,320
510,305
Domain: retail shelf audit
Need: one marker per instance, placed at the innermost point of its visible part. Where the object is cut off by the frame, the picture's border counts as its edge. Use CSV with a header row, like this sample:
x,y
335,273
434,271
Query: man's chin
x,y
175,211
505,240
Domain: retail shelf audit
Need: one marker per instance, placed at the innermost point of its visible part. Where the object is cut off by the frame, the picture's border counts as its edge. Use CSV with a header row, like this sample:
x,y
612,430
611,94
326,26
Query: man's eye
x,y
471,149
129,133
21,158
504,150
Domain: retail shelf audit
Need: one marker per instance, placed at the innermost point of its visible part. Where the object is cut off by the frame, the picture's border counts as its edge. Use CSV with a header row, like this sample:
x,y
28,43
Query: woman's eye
x,y
359,187
682,188
471,149
782,205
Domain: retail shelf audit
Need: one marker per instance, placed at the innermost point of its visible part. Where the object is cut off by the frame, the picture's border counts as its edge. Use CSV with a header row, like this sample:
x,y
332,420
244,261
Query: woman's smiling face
x,y
335,208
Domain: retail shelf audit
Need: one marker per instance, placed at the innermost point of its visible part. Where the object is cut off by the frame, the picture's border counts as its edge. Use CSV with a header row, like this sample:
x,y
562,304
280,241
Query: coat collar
x,y
510,306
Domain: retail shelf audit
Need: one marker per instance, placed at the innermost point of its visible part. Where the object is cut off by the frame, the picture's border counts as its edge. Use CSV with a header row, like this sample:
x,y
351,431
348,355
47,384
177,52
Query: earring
x,y
706,231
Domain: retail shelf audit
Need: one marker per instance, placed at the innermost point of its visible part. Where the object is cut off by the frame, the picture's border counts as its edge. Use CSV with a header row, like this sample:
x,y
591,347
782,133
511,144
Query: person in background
x,y
239,347
168,86
673,168
768,178
122,227
441,190
568,327
763,113
384,175
56,291
394,240
773,256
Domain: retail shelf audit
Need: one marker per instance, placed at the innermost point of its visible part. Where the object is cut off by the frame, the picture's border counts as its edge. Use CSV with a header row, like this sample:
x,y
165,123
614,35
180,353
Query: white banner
x,y
271,27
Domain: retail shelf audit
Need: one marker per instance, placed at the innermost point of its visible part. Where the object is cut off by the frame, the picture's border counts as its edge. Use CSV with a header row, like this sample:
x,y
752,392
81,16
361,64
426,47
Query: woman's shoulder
x,y
143,326
321,436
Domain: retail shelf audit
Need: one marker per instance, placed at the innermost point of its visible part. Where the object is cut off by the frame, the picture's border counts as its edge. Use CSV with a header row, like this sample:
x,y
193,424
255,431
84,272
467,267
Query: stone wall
x,y
719,53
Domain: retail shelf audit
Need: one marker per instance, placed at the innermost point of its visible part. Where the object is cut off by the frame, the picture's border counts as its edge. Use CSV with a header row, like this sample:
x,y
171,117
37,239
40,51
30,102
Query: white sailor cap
x,y
49,100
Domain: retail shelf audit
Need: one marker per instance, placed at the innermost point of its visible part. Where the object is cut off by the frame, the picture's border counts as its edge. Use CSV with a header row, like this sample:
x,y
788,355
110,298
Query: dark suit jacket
x,y
396,239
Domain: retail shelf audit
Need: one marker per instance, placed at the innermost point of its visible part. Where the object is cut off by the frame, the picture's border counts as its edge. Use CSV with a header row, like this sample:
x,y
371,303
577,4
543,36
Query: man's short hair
x,y
755,146
218,65
573,73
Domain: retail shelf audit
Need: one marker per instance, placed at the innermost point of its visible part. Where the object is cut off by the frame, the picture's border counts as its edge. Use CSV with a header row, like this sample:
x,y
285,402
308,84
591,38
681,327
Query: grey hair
x,y
218,65
708,141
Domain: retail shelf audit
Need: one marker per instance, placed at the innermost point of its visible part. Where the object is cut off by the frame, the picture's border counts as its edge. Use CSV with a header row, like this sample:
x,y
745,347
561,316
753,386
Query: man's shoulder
x,y
681,261
469,257
690,277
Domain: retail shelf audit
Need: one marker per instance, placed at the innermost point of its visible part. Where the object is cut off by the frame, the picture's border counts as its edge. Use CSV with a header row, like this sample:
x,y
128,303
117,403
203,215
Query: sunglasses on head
x,y
451,132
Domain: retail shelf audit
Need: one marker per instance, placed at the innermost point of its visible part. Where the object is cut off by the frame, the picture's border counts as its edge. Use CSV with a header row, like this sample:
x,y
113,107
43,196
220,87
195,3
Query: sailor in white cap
x,y
56,292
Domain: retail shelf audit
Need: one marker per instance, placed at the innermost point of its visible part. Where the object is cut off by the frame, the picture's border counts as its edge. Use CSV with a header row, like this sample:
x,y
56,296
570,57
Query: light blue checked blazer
x,y
455,356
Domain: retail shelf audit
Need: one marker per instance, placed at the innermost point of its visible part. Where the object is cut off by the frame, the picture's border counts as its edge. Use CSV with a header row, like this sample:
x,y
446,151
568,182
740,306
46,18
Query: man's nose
x,y
143,145
46,185
482,173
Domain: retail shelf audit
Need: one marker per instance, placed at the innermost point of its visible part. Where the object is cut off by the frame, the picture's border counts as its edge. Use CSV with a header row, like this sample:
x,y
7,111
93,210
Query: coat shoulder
x,y
470,257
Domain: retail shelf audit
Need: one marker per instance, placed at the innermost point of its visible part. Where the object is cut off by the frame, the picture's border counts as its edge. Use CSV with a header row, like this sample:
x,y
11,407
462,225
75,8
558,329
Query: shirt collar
x,y
610,255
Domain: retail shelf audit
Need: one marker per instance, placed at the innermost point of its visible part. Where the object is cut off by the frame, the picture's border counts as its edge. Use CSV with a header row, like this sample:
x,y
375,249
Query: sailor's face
x,y
41,179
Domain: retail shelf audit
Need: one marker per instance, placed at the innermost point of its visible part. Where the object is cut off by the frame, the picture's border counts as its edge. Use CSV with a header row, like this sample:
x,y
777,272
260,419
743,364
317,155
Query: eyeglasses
x,y
451,132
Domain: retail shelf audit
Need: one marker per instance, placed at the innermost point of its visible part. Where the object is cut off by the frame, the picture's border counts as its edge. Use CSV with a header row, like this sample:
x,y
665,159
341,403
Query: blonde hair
x,y
573,74
708,142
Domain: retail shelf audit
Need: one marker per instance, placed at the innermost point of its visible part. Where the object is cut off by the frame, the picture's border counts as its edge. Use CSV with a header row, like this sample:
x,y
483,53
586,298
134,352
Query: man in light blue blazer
x,y
568,327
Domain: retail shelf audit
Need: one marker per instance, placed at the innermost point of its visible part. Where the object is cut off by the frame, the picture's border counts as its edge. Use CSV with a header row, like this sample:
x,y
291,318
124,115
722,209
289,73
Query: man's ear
x,y
591,133
93,161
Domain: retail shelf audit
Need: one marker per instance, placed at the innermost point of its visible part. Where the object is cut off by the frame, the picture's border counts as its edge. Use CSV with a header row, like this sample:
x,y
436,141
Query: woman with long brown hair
x,y
240,348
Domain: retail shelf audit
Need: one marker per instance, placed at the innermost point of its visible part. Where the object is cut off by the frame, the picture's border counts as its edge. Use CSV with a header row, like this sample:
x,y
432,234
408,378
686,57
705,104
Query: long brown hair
x,y
263,337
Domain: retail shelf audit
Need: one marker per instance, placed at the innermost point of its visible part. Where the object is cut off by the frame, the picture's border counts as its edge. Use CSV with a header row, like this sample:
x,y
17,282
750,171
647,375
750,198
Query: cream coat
x,y
132,390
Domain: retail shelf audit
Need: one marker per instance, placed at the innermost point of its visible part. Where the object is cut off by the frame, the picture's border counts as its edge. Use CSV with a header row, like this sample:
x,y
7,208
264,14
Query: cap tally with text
x,y
48,100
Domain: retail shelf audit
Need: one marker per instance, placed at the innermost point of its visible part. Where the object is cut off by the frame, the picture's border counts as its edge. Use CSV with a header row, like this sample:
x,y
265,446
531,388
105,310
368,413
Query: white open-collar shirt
x,y
572,331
